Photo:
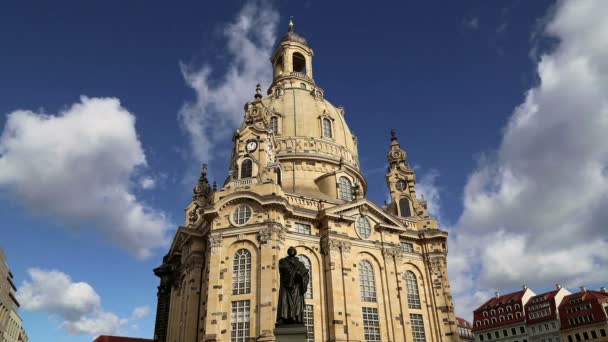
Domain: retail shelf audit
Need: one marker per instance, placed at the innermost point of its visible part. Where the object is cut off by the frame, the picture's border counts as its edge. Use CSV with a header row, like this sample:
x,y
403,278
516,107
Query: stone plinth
x,y
290,333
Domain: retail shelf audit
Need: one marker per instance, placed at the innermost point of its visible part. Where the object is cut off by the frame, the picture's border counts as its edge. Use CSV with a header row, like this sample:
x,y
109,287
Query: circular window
x,y
241,215
401,185
364,229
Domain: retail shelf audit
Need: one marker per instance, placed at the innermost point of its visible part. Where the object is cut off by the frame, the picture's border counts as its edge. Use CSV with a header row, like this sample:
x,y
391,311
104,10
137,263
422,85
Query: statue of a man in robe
x,y
294,282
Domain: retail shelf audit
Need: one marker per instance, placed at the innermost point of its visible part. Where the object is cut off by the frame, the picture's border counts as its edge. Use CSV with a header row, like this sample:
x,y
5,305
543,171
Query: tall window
x,y
242,214
363,227
345,189
274,124
241,272
327,133
413,297
246,168
417,328
404,207
367,282
371,324
304,259
298,62
303,228
240,321
309,322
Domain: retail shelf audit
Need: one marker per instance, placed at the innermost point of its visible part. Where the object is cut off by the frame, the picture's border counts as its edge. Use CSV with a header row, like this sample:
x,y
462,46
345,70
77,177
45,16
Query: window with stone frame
x,y
404,208
413,296
371,324
241,215
327,129
309,322
345,189
407,247
367,281
240,321
246,168
274,124
304,259
303,228
364,228
241,272
417,324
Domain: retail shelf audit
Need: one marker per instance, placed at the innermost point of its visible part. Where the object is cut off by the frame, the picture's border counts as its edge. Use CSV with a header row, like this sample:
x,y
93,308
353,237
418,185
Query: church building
x,y
378,273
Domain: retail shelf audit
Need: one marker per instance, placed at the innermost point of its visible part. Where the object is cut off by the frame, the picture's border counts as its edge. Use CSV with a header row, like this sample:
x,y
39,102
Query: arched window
x,y
404,207
509,317
478,323
517,314
411,284
367,282
486,322
345,189
492,312
363,227
500,310
509,308
299,63
327,132
493,319
501,318
274,124
241,215
278,67
246,168
241,272
516,306
304,259
485,314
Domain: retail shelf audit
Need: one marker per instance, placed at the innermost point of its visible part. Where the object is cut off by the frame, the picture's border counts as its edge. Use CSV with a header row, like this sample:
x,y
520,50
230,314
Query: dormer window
x,y
246,168
327,130
345,189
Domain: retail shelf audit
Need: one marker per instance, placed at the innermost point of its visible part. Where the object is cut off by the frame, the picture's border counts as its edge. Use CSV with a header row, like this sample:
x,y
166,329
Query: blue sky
x,y
106,107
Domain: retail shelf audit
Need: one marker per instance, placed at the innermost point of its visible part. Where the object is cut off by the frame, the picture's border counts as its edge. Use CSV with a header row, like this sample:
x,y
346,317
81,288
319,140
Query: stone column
x,y
392,256
271,244
215,294
334,287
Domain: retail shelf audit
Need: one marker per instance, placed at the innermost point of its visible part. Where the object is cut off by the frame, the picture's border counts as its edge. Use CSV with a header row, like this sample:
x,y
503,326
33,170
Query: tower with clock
x,y
377,273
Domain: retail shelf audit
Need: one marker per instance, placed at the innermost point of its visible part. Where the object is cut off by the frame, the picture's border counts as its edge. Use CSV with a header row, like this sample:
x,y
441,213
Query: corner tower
x,y
294,180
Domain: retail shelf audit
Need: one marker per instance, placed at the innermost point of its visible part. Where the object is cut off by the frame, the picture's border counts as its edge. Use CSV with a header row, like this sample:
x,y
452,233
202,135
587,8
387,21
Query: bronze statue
x,y
293,285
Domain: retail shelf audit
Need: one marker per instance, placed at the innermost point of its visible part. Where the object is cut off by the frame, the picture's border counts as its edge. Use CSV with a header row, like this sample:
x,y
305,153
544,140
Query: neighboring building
x,y
10,322
295,180
106,338
464,330
23,335
542,316
584,316
502,318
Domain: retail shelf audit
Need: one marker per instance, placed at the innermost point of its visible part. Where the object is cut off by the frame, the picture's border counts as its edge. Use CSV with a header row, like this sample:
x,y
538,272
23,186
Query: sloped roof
x,y
502,299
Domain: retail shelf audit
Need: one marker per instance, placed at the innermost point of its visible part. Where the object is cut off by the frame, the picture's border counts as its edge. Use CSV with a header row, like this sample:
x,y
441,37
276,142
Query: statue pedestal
x,y
290,333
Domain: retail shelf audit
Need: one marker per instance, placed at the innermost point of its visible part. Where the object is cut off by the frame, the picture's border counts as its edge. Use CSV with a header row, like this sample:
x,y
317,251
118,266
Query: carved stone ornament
x,y
194,262
194,214
333,247
266,234
396,253
215,244
436,265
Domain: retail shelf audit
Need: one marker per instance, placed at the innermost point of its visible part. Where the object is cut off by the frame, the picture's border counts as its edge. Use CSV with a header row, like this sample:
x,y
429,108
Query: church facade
x,y
378,273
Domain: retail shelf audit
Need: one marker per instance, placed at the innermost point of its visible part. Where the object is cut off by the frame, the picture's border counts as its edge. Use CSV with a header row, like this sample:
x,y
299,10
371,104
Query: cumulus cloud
x,y
141,312
428,188
76,303
536,211
218,108
76,166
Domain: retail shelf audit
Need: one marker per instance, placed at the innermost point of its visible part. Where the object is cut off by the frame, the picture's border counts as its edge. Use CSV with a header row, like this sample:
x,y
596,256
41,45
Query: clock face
x,y
401,185
396,154
252,145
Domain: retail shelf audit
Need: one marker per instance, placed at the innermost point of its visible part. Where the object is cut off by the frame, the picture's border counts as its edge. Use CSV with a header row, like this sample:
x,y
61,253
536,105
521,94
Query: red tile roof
x,y
503,307
463,322
515,296
580,308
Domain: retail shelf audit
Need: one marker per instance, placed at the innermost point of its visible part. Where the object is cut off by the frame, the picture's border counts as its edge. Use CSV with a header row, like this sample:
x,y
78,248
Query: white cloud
x,y
76,303
76,167
147,182
427,187
141,312
218,108
536,213
472,23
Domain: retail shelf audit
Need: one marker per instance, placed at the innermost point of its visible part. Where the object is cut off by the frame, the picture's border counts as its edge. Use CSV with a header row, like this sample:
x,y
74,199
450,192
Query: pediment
x,y
180,238
366,207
